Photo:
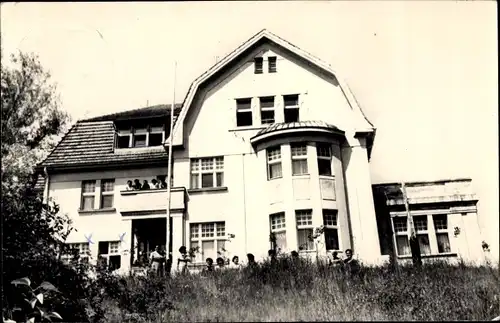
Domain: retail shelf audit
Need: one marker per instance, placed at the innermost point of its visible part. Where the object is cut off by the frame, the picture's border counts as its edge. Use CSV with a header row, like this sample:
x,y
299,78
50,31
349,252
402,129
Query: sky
x,y
424,72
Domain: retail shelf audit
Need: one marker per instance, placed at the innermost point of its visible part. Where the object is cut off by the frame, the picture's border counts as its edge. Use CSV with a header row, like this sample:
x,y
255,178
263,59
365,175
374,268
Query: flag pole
x,y
169,171
412,236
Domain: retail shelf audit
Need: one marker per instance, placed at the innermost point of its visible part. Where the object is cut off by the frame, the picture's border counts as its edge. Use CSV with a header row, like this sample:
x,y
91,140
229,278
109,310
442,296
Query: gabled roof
x,y
90,143
363,124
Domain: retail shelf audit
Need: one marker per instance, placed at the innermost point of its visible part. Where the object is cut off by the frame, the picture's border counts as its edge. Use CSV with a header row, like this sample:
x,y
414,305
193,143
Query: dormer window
x,y
140,136
291,108
259,65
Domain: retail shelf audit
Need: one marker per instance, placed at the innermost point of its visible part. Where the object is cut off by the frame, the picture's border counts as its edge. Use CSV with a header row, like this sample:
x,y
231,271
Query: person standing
x,y
182,262
156,261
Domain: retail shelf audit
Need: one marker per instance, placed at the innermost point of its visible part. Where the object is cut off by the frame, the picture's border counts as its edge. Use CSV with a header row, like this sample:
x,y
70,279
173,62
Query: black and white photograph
x,y
249,161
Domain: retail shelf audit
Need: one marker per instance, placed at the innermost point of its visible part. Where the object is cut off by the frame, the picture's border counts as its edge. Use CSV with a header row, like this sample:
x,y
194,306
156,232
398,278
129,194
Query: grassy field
x,y
306,291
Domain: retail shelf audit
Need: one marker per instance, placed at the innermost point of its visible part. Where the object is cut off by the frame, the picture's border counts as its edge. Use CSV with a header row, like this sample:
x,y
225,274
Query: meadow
x,y
306,291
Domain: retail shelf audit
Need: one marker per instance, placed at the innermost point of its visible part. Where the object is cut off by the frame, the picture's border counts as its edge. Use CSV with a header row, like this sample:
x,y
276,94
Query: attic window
x,y
259,63
291,108
272,64
138,137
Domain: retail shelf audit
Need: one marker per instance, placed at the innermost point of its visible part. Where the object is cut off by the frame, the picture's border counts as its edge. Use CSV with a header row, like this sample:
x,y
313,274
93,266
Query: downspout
x,y
244,202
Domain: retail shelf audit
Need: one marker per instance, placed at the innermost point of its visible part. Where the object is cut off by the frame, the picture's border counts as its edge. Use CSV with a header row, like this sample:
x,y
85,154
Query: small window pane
x,y
440,222
207,180
274,153
88,186
243,104
299,150
323,150
219,163
403,245
400,224
103,248
194,231
267,116
88,203
331,239
195,181
304,239
277,221
195,165
303,218
291,100
123,141
325,167
106,201
139,141
275,171
244,119
299,167
115,262
207,230
155,139
114,247
329,217
281,240
221,229
220,179
208,249
107,185
266,102
207,164
420,222
443,241
423,241
291,115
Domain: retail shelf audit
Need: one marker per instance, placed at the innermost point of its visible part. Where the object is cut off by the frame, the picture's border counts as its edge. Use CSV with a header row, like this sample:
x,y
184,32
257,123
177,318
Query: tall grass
x,y
300,291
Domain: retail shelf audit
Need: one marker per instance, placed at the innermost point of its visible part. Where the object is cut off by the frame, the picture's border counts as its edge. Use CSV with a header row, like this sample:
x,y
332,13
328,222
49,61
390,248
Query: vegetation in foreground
x,y
307,291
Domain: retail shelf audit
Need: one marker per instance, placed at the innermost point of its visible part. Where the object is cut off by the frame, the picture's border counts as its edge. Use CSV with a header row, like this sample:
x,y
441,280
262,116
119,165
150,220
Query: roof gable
x,y
363,124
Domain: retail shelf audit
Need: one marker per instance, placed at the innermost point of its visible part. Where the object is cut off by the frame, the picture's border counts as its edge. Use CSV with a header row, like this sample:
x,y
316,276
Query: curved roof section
x,y
280,129
363,125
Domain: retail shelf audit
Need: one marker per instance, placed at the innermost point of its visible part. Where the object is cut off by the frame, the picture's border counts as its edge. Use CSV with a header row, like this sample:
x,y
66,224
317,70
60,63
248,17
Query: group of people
x,y
155,184
161,265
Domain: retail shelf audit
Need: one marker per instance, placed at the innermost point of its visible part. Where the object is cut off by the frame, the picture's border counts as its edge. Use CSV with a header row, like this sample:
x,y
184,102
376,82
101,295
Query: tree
x,y
32,120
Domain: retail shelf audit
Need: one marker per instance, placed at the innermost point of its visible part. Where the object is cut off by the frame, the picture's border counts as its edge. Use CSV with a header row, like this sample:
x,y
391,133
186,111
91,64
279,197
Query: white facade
x,y
236,214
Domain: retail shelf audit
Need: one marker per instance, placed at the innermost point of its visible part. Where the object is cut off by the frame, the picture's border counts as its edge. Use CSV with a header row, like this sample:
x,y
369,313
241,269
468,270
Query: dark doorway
x,y
147,234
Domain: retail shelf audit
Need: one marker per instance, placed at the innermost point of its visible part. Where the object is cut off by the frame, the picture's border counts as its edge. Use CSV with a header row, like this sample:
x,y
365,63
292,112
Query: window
x,y
278,228
324,153
299,159
207,172
291,108
82,250
107,193
305,229
422,232
442,234
209,238
109,254
144,136
421,224
274,162
244,112
267,109
330,223
88,195
258,65
272,64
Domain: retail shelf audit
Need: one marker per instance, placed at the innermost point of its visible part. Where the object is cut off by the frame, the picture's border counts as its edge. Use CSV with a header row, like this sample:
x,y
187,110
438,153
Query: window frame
x,y
320,157
240,109
334,226
84,194
272,162
267,109
429,231
287,107
84,251
217,168
107,193
258,62
307,227
218,238
299,157
270,67
281,216
440,231
111,251
133,132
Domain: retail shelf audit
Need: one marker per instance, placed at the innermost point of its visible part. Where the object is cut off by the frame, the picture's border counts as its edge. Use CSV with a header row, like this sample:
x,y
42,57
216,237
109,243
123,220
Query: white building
x,y
270,139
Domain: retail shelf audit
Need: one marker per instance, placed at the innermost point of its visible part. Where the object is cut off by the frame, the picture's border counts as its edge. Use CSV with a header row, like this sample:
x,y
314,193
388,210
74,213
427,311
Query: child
x,y
182,262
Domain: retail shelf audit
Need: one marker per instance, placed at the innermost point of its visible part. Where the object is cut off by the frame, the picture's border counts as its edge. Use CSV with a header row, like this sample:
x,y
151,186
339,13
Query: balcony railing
x,y
152,200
